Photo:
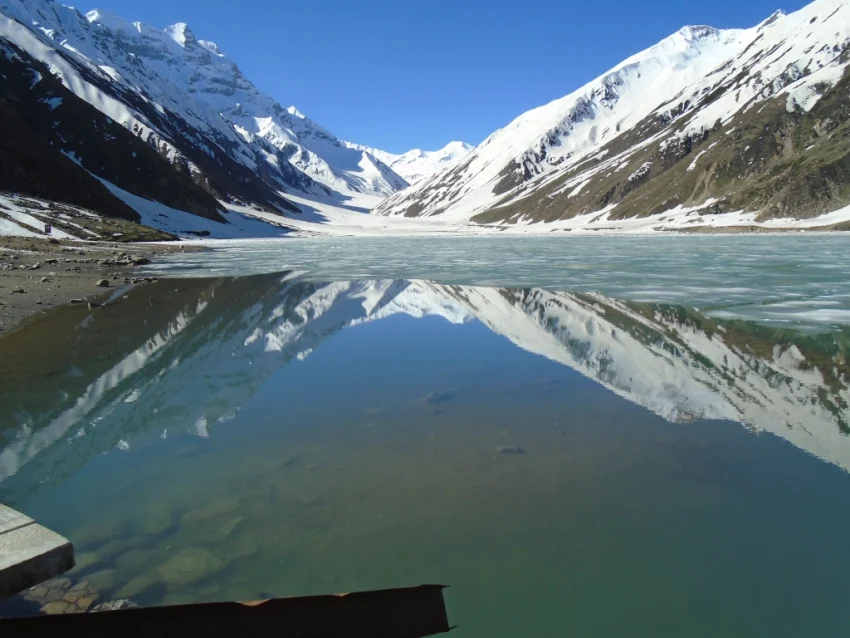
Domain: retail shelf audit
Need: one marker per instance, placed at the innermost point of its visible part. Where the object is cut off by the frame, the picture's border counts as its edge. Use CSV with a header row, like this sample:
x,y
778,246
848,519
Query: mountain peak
x,y
212,47
181,34
776,15
569,158
294,112
457,145
109,20
698,33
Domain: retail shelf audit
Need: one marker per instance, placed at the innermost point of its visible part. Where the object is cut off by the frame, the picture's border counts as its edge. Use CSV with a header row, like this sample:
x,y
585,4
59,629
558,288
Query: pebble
x,y
115,605
103,283
510,449
18,290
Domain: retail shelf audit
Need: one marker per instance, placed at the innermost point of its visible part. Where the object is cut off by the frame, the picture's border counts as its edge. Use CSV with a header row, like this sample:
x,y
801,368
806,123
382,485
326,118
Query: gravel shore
x,y
37,274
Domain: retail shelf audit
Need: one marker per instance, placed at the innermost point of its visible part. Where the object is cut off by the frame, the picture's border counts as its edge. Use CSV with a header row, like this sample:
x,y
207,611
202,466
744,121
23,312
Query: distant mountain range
x,y
708,127
416,165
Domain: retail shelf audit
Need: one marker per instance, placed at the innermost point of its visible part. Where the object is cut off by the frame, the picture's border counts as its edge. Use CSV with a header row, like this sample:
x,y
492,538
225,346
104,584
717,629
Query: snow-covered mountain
x,y
708,127
676,362
183,99
722,120
416,165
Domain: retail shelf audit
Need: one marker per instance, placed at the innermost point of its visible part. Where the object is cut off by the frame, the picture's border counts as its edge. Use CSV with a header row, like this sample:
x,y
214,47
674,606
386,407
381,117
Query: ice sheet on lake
x,y
743,276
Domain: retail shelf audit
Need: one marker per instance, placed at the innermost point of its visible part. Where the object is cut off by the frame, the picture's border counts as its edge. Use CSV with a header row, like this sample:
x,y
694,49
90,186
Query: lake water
x,y
570,461
794,279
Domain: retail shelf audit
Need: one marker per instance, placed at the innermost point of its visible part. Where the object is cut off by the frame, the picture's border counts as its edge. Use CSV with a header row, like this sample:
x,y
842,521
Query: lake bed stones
x,y
76,599
189,566
48,592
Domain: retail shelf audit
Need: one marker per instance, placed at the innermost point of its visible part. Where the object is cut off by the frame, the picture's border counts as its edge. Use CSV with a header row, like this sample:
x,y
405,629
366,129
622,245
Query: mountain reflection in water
x,y
203,354
569,463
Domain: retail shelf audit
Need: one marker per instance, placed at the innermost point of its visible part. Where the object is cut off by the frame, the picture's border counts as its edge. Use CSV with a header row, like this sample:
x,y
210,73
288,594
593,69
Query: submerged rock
x,y
51,591
138,585
98,533
82,597
243,546
435,398
217,508
136,560
509,449
103,579
157,519
189,567
225,531
113,548
56,607
85,560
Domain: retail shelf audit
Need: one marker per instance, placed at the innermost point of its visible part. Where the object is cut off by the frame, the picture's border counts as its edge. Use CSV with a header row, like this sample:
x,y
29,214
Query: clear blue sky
x,y
413,73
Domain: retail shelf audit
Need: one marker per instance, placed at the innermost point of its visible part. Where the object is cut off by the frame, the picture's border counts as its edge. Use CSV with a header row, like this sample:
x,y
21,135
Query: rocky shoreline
x,y
37,275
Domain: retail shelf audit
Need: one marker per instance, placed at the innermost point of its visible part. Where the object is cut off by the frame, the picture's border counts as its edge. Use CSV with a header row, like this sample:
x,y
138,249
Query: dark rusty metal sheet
x,y
409,612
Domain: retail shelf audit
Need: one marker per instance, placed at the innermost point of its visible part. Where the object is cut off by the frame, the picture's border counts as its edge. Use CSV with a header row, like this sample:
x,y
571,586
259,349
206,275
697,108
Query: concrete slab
x,y
29,553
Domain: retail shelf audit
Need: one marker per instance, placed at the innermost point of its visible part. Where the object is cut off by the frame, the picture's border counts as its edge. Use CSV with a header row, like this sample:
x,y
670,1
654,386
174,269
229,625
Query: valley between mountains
x,y
116,130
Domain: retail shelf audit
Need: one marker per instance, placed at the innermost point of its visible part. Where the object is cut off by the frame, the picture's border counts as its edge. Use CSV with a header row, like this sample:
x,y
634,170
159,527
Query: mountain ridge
x,y
708,128
183,98
650,112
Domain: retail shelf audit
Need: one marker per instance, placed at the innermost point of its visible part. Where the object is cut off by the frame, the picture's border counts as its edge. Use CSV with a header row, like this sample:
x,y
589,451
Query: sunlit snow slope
x,y
192,117
706,118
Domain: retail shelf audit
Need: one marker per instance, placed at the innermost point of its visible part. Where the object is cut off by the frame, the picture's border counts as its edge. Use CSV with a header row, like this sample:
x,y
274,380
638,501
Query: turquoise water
x,y
569,463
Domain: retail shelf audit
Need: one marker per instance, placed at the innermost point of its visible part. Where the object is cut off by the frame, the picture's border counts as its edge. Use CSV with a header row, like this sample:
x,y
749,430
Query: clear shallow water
x,y
794,279
240,438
